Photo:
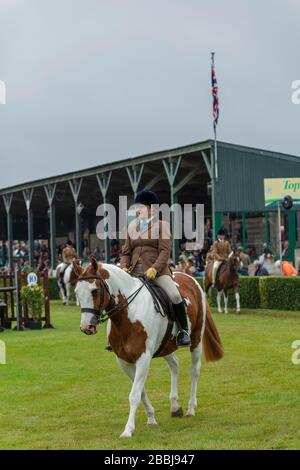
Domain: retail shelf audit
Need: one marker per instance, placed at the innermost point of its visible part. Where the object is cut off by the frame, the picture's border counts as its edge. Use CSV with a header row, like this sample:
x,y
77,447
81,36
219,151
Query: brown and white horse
x,y
65,282
136,330
227,278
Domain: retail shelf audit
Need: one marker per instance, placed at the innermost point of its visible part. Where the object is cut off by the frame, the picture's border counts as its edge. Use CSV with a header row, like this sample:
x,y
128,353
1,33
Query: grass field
x,y
61,390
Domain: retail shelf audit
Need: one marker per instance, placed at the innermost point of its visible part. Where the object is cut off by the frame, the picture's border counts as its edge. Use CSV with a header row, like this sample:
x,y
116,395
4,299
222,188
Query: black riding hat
x,y
69,242
222,232
146,197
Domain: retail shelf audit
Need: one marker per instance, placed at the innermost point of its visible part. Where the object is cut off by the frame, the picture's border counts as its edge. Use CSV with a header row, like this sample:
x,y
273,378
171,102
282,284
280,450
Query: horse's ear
x,y
94,264
77,269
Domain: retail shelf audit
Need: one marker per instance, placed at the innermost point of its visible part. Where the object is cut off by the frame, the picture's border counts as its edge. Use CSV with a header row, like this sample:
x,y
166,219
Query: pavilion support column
x,y
171,167
27,194
103,180
213,194
209,163
7,198
135,175
75,186
50,193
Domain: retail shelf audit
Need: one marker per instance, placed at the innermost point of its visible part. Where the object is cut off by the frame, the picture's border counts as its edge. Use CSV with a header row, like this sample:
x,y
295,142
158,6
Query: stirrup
x,y
183,339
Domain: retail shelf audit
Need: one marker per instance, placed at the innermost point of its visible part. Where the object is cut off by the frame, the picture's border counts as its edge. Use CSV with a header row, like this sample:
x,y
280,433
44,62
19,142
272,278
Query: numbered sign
x,y
32,279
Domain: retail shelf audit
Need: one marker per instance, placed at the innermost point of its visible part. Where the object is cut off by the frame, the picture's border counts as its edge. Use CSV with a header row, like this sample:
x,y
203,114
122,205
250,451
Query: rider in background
x,y
147,255
68,255
221,251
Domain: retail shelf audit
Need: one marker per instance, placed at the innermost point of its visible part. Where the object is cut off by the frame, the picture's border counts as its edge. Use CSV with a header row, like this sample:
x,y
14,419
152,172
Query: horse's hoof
x,y
126,434
190,412
226,313
178,413
151,421
238,312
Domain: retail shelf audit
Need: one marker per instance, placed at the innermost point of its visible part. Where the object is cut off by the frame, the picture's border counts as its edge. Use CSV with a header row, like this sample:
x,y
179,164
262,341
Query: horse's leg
x,y
225,302
129,369
67,284
173,363
219,296
141,372
195,372
61,290
237,298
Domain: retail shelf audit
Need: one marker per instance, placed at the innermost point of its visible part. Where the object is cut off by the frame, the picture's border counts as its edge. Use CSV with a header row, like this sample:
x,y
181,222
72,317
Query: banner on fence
x,y
277,188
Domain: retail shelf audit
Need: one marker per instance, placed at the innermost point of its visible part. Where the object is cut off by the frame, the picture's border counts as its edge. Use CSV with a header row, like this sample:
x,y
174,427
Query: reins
x,y
102,318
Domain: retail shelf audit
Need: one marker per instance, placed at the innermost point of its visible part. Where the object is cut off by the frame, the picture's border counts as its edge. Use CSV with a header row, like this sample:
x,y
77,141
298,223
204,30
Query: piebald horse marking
x,y
135,330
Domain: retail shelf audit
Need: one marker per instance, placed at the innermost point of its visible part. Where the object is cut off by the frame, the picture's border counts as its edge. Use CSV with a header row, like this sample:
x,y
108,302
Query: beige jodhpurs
x,y
165,282
169,286
216,266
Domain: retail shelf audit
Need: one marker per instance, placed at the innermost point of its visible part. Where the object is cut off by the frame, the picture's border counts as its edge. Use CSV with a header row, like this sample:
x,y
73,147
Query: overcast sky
x,y
93,81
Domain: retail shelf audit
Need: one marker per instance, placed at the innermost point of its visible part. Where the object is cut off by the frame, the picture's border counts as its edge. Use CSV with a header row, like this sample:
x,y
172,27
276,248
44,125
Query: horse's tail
x,y
213,348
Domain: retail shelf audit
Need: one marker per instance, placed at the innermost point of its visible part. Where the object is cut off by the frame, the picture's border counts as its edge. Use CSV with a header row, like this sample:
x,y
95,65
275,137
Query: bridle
x,y
234,262
102,288
101,316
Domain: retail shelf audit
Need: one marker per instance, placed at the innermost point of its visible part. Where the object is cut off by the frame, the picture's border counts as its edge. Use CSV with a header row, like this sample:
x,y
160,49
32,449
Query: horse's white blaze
x,y
84,291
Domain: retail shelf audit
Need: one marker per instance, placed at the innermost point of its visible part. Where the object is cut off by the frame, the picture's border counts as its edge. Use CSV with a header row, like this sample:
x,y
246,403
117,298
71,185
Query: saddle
x,y
162,305
161,300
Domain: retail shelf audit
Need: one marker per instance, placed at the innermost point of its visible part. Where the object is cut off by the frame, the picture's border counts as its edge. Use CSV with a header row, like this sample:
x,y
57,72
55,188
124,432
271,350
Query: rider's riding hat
x,y
222,232
146,197
69,242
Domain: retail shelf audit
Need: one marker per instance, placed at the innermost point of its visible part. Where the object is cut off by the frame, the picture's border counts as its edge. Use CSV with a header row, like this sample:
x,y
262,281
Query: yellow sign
x,y
277,188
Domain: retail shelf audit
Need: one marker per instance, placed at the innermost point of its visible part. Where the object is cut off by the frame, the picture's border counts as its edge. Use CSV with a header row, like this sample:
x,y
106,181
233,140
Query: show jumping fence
x,y
11,291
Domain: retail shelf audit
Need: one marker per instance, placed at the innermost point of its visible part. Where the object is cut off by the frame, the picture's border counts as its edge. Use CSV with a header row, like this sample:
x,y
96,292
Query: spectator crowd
x,y
192,258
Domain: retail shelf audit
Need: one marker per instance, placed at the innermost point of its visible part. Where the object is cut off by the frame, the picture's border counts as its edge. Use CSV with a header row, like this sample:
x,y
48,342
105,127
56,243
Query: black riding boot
x,y
183,338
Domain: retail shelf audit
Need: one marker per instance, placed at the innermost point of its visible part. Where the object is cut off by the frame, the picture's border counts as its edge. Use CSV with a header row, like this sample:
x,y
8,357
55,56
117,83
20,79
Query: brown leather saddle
x,y
162,305
161,300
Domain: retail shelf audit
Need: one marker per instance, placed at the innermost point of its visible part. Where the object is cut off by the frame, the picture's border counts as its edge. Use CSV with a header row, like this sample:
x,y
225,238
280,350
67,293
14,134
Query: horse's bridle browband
x,y
113,311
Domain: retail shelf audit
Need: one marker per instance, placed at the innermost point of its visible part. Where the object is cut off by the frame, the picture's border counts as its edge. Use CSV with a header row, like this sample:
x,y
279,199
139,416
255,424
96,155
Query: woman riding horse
x,y
220,252
147,251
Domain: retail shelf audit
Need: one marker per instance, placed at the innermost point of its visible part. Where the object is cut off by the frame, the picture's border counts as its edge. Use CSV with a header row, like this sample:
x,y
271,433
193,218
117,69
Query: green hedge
x,y
277,292
282,293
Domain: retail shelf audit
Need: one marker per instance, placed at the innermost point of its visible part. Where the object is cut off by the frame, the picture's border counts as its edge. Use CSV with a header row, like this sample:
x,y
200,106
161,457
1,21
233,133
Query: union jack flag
x,y
214,92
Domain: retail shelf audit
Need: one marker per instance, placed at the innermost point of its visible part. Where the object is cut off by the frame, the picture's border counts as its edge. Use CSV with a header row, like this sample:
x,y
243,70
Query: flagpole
x,y
215,130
